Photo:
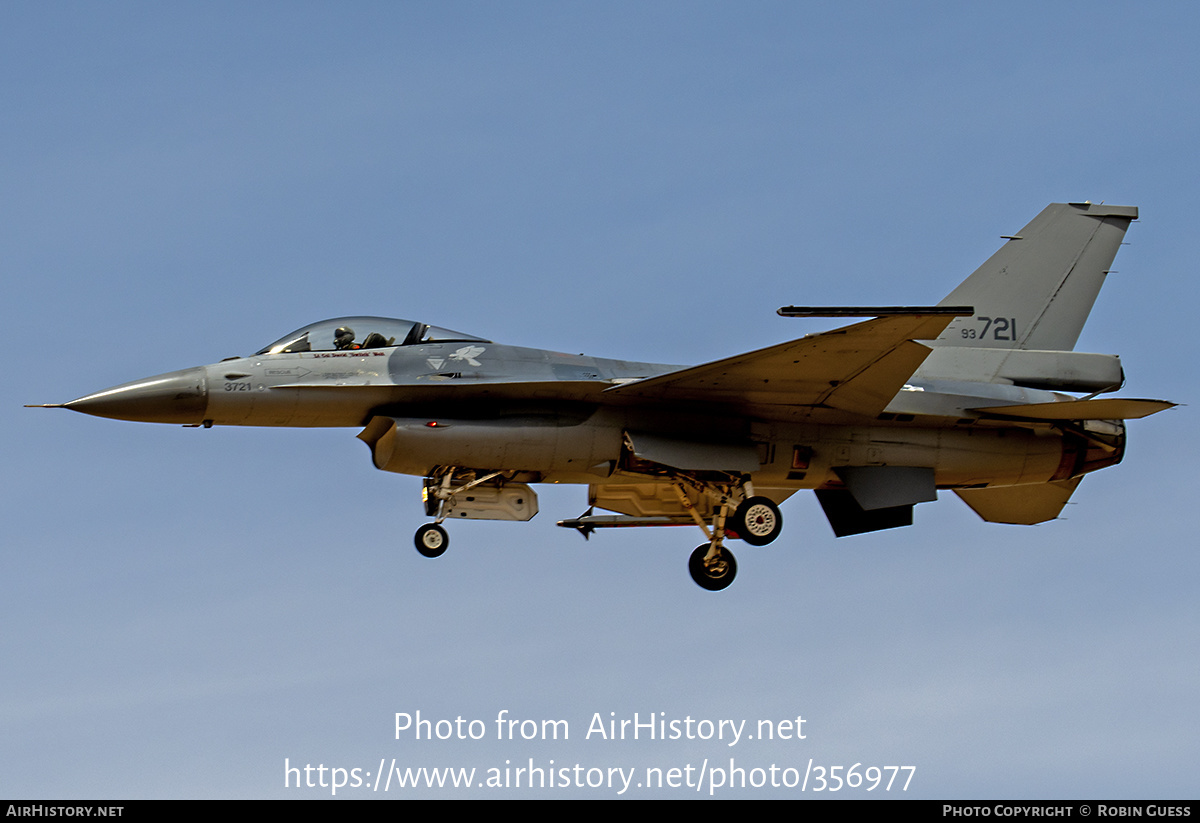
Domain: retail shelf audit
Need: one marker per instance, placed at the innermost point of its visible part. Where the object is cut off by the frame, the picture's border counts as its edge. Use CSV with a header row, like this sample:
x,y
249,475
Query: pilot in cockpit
x,y
343,339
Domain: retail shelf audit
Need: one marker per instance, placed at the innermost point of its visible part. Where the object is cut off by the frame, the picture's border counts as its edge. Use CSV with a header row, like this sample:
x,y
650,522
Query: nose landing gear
x,y
431,540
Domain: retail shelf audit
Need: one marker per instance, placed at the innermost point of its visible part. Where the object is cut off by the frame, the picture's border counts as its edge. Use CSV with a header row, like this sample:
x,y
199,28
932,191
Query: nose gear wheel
x,y
431,540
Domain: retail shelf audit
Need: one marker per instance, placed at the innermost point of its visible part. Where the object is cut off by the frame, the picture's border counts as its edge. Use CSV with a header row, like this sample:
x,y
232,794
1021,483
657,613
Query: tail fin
x,y
1037,290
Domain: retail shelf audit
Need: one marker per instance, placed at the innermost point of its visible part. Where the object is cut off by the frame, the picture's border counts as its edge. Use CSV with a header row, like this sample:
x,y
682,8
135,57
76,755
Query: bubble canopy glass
x,y
364,333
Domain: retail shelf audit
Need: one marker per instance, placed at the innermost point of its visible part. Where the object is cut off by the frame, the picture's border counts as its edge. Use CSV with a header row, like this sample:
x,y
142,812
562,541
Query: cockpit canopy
x,y
349,333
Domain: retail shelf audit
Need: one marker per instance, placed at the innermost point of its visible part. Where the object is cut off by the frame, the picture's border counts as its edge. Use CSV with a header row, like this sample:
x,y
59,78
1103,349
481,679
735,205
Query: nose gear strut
x,y
431,539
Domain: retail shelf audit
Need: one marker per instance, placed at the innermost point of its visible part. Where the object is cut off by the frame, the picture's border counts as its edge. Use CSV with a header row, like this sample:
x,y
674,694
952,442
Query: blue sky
x,y
186,182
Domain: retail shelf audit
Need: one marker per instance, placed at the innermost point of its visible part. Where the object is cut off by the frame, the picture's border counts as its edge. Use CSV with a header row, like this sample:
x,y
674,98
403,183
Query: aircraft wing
x,y
856,368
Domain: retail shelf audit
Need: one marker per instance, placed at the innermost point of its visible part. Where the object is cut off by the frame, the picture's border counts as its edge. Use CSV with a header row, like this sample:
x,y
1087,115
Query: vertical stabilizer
x,y
1037,290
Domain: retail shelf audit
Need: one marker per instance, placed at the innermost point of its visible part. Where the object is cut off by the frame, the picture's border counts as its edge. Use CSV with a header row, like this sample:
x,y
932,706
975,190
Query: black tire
x,y
431,540
717,577
758,521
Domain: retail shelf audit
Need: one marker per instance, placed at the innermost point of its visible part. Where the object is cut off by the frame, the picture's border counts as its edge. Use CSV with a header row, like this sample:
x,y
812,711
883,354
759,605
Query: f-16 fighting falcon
x,y
977,395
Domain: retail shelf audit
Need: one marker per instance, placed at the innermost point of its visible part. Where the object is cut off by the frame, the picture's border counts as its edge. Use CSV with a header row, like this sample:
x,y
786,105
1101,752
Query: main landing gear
x,y
756,520
712,573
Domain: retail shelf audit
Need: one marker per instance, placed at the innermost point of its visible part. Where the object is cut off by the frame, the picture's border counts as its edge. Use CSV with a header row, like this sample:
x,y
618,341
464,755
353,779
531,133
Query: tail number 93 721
x,y
1000,328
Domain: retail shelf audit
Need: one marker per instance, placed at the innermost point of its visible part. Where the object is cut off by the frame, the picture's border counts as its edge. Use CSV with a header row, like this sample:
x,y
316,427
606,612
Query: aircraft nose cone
x,y
174,397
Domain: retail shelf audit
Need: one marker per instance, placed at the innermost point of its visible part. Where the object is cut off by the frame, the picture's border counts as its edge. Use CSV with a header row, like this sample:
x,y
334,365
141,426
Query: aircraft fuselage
x,y
545,417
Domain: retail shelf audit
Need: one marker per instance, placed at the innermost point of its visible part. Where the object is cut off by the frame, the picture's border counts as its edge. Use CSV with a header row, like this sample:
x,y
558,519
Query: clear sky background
x,y
186,608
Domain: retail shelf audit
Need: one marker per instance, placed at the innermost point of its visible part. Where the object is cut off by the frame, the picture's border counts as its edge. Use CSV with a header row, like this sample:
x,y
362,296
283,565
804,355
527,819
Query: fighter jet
x,y
977,395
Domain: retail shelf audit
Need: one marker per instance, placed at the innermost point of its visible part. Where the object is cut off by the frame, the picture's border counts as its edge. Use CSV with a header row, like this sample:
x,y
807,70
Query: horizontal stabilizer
x,y
1109,408
1020,505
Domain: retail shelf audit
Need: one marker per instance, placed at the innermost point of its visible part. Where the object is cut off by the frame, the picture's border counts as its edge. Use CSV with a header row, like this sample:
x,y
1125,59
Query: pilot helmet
x,y
343,337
